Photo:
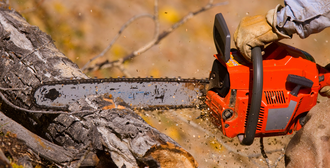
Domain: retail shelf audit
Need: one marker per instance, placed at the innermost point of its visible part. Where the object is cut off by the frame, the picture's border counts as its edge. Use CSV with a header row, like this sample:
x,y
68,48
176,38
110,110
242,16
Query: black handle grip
x,y
300,81
253,116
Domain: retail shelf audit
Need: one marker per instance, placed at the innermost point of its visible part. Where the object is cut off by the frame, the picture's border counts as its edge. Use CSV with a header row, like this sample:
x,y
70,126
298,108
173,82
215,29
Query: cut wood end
x,y
169,155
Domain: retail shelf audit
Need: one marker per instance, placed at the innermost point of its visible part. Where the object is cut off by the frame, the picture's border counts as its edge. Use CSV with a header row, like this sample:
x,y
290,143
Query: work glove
x,y
257,31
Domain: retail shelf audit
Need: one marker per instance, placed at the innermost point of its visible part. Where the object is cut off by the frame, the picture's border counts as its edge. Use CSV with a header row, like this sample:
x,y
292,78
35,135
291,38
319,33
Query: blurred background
x,y
82,29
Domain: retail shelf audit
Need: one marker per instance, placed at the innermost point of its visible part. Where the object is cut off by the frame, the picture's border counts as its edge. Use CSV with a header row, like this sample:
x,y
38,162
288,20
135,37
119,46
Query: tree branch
x,y
161,36
155,18
39,145
116,37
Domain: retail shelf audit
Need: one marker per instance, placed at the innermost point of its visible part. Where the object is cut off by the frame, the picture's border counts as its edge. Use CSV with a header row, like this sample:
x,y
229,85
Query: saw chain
x,y
139,93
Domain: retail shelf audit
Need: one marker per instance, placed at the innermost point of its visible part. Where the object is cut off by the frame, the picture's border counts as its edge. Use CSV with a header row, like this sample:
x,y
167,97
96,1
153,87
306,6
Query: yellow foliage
x,y
59,7
14,165
38,166
117,51
173,133
216,145
169,14
155,72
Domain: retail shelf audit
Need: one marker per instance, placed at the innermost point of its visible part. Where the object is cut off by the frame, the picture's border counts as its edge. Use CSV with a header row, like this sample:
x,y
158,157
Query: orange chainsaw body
x,y
281,110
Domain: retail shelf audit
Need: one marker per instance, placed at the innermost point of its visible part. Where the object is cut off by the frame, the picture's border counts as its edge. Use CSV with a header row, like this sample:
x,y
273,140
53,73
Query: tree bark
x,y
112,136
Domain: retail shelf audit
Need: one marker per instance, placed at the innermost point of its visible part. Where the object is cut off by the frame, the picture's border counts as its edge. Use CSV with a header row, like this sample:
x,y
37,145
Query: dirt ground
x,y
83,28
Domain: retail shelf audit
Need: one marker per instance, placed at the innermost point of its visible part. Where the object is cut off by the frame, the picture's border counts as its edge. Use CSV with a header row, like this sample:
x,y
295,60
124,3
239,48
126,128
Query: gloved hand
x,y
257,31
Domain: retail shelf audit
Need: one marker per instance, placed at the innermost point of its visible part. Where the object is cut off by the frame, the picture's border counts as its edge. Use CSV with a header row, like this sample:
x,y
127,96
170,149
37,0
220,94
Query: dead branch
x,y
116,37
36,143
147,46
278,159
155,41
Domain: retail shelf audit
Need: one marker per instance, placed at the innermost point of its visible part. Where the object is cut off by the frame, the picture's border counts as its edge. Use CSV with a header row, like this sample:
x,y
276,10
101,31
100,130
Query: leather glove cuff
x,y
271,18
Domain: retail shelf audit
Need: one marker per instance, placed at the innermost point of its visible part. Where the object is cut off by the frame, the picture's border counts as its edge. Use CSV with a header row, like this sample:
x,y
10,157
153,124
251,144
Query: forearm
x,y
303,17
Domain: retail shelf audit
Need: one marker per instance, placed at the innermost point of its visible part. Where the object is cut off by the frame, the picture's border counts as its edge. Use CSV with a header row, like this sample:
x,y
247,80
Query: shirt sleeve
x,y
303,17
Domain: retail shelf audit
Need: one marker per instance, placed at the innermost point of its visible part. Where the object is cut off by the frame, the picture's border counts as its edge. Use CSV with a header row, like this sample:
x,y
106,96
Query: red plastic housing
x,y
280,110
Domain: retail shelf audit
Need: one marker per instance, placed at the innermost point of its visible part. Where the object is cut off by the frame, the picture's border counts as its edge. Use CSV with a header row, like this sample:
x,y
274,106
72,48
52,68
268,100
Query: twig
x,y
187,17
108,64
41,112
116,37
37,49
147,46
82,158
124,71
142,49
12,89
278,160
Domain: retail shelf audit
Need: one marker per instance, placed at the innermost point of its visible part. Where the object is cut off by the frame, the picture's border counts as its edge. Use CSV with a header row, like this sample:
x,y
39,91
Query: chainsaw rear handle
x,y
252,120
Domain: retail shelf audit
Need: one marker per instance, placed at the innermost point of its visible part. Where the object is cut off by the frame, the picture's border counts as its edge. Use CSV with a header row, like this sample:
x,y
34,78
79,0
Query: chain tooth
x,y
124,79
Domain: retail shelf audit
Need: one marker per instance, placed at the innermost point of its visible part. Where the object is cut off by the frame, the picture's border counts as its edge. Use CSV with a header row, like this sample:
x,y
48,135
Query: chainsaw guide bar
x,y
139,93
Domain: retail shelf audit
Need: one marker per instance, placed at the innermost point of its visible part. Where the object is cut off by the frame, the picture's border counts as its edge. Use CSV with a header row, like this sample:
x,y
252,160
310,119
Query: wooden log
x,y
114,135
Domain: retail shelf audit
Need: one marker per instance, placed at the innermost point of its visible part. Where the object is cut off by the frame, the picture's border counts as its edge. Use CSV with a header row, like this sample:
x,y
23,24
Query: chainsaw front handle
x,y
252,120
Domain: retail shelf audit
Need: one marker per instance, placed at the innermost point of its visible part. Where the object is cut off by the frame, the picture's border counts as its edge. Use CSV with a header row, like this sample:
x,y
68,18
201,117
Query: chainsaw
x,y
268,97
